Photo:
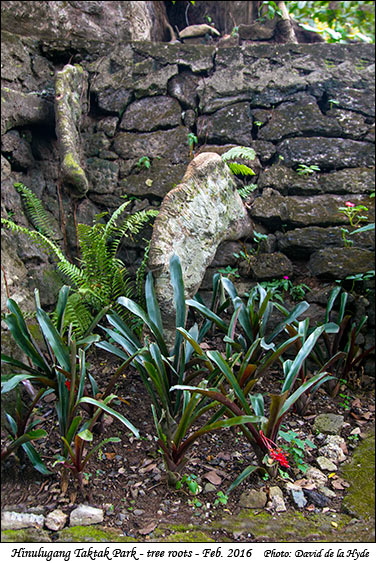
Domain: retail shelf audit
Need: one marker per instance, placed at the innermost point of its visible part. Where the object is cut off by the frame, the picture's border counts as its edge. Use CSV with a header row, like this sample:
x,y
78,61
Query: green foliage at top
x,y
236,167
337,22
101,276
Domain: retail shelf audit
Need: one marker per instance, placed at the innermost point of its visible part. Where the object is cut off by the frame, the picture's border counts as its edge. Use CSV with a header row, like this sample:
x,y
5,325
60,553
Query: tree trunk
x,y
284,28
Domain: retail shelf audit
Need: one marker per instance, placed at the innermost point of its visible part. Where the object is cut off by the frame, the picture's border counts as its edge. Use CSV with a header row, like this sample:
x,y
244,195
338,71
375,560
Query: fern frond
x,y
36,236
111,224
245,191
242,169
35,212
239,152
131,225
74,274
77,314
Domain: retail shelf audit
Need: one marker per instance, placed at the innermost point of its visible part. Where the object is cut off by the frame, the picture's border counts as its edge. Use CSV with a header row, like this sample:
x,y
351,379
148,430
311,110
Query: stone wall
x,y
293,104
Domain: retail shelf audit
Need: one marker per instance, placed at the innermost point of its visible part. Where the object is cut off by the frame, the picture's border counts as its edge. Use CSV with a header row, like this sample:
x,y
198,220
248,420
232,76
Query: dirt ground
x,y
127,478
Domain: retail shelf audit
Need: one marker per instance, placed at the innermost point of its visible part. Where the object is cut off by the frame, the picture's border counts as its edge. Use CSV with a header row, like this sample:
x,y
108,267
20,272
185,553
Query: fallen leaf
x,y
147,529
356,431
311,507
213,477
325,509
110,455
356,403
147,468
334,524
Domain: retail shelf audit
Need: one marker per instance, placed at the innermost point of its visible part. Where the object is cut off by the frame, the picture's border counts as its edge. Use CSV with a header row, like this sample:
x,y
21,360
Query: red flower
x,y
67,384
275,452
349,204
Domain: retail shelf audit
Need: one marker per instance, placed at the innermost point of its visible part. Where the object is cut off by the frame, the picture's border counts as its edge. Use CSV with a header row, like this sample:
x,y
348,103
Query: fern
x,y
239,152
35,211
101,276
245,191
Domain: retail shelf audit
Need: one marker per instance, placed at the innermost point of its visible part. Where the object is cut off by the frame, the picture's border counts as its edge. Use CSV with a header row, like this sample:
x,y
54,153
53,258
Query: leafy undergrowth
x,y
127,478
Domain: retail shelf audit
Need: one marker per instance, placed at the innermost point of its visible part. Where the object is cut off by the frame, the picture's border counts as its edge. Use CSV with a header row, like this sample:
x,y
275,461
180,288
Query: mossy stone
x,y
27,535
359,472
92,534
190,536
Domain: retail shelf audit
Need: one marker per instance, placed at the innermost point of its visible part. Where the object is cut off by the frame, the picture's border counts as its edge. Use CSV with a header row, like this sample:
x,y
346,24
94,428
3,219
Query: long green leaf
x,y
24,343
208,314
35,459
120,325
60,307
216,357
14,381
16,363
243,475
72,429
112,412
152,305
302,389
56,342
137,310
14,308
331,300
290,318
177,283
27,437
228,423
301,357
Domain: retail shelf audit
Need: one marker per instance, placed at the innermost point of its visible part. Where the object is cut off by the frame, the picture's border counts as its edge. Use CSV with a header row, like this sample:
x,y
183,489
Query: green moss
x,y
72,164
191,536
28,535
289,527
92,534
360,500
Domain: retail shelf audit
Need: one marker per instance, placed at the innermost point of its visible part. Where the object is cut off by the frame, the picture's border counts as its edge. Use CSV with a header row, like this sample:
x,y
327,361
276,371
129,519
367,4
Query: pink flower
x,y
285,277
349,204
275,453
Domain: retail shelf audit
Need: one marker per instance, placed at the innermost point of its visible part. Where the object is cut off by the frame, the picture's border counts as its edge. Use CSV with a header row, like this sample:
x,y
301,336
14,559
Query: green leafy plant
x,y
231,273
342,22
296,448
222,498
246,191
239,152
22,432
354,213
144,161
101,276
57,364
304,170
236,400
280,287
192,142
191,483
161,367
268,10
338,350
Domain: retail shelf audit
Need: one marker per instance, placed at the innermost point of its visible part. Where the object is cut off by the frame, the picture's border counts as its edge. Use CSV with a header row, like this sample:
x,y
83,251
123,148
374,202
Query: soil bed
x,y
127,478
